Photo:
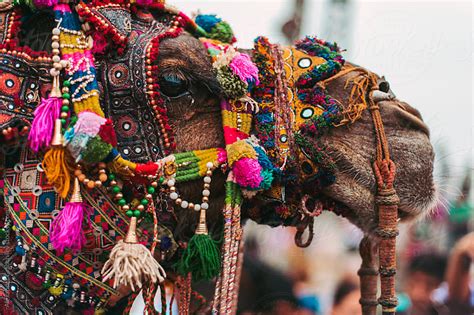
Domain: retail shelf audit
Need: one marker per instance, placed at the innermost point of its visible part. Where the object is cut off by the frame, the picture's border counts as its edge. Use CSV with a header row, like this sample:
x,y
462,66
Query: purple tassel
x,y
66,229
42,127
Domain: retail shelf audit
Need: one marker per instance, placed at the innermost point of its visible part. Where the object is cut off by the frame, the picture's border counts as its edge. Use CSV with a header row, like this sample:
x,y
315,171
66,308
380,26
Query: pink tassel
x,y
247,173
244,68
66,229
42,128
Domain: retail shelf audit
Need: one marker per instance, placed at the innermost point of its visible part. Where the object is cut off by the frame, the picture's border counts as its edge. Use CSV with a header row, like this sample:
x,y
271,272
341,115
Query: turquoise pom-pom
x,y
207,21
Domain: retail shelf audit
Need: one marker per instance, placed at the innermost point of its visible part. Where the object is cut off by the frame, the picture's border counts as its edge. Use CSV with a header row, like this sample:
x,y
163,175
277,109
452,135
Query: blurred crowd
x,y
435,271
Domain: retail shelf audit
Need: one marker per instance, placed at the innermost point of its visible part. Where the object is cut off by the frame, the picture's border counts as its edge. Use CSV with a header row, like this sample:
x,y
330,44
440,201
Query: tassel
x,y
201,257
55,165
132,264
46,113
66,230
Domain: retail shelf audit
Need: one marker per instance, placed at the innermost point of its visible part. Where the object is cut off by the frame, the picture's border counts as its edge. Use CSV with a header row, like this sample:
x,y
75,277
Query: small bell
x,y
57,136
76,192
55,91
202,225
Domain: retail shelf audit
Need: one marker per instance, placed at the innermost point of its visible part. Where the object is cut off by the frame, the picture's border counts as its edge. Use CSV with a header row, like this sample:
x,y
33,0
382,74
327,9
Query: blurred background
x,y
424,49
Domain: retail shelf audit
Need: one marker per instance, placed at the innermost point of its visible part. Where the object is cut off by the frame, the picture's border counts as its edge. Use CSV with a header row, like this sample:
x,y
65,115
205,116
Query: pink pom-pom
x,y
42,128
144,2
45,3
247,173
244,68
100,43
89,123
66,229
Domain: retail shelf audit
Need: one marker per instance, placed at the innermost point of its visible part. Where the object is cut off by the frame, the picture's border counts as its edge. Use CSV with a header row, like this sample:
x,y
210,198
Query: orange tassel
x,y
55,164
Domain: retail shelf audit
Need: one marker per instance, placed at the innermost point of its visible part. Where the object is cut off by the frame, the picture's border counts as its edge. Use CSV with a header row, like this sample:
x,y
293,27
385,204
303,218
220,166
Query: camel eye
x,y
173,86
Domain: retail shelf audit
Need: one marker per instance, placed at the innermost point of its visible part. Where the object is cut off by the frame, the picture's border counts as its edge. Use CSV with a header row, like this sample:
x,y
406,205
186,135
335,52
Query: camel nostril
x,y
384,86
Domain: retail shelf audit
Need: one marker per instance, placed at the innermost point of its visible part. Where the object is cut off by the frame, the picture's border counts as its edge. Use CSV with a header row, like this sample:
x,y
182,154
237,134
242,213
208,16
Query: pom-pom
x,y
244,68
222,32
207,21
233,87
45,3
96,150
247,173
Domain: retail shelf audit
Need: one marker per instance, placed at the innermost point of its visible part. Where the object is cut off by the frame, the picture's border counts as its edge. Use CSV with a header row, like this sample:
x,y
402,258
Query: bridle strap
x,y
387,202
386,199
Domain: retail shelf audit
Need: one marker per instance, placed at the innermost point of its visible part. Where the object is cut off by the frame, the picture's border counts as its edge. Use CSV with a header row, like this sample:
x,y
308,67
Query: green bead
x,y
63,121
65,108
129,213
111,176
66,96
162,179
151,190
3,233
136,213
144,202
116,189
122,202
67,83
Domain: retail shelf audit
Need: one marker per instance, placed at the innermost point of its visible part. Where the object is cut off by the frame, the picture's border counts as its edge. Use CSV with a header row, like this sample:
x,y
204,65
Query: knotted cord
x,y
386,199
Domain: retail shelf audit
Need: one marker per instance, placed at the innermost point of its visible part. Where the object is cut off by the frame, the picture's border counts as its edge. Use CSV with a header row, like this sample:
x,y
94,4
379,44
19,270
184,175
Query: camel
x,y
193,101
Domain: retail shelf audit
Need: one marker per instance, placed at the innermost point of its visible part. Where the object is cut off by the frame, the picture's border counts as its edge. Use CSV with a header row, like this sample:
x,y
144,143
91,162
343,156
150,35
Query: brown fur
x,y
353,146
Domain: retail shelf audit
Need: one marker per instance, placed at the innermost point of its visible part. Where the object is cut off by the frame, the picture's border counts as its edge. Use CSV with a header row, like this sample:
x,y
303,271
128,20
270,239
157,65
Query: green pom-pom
x,y
231,84
96,150
222,32
201,258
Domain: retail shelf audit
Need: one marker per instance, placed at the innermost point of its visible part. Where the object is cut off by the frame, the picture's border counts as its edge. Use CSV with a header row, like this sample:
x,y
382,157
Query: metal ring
x,y
37,190
97,251
54,213
39,167
97,265
34,214
15,191
18,168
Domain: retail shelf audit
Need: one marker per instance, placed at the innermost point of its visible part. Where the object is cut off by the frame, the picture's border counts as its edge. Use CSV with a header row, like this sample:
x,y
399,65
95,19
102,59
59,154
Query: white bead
x,y
209,164
184,204
55,45
204,205
197,207
64,63
170,182
206,193
56,31
207,180
56,59
174,196
54,72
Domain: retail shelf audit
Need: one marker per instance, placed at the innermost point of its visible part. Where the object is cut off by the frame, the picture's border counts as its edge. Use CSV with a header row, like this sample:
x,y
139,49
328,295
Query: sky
x,y
424,49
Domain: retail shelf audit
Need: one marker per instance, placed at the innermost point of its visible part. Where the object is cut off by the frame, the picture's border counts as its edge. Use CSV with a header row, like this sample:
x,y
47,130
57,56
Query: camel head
x,y
343,178
294,125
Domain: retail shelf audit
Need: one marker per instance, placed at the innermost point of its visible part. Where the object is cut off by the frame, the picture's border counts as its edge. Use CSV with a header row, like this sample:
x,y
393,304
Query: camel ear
x,y
110,25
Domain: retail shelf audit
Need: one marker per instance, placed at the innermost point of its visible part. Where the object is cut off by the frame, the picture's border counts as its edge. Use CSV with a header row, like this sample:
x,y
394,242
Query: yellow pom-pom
x,y
238,150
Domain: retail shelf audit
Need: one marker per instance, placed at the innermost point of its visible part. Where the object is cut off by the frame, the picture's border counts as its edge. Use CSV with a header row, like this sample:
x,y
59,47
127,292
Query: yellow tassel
x,y
55,164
